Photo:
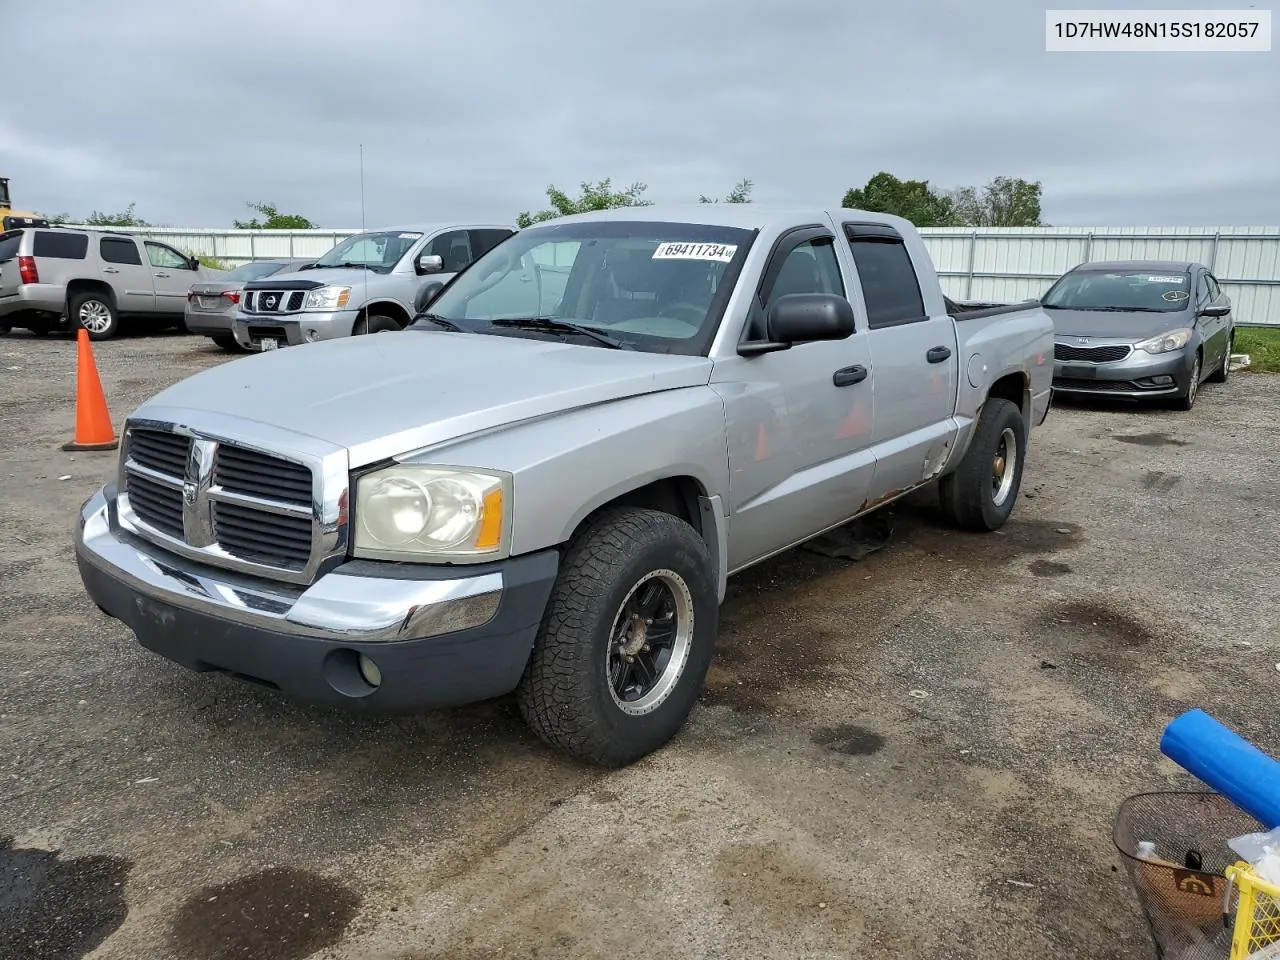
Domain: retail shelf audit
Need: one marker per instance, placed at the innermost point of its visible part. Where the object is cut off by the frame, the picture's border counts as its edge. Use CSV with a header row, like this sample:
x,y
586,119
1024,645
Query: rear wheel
x,y
626,641
96,313
1220,375
375,323
980,493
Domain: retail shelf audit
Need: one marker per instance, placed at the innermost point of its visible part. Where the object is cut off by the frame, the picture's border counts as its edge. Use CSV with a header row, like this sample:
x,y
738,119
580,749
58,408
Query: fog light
x,y
369,670
313,336
1162,380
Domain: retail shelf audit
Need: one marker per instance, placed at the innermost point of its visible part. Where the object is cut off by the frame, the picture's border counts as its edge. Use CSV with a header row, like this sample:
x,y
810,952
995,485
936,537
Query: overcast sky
x,y
469,109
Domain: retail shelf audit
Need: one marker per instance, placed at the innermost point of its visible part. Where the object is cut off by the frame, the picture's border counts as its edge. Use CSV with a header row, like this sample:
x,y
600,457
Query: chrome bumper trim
x,y
337,607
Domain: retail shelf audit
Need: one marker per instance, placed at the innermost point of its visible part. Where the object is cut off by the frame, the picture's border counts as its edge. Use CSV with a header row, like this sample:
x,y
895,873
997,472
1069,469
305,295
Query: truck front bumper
x,y
294,329
435,636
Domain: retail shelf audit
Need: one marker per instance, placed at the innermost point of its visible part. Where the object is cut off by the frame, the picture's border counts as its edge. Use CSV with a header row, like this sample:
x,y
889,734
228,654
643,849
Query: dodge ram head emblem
x,y
189,493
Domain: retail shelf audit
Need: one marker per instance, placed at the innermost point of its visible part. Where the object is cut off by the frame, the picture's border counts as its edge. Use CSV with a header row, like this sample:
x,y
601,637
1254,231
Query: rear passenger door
x,y
173,276
482,241
130,278
1215,330
914,358
799,420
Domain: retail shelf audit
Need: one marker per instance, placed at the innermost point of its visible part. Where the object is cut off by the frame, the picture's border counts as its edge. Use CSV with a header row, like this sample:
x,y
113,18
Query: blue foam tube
x,y
1227,762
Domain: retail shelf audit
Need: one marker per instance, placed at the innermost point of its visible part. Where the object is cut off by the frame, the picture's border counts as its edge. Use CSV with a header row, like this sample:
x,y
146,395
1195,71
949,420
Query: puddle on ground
x,y
850,740
1049,568
1149,439
55,909
278,914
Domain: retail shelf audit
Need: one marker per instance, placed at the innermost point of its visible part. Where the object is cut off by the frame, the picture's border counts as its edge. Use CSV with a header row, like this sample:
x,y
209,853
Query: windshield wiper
x,y
441,322
345,263
552,325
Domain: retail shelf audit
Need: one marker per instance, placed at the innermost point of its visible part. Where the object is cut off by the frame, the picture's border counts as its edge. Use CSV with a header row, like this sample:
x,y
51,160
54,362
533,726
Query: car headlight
x,y
327,298
424,513
1173,340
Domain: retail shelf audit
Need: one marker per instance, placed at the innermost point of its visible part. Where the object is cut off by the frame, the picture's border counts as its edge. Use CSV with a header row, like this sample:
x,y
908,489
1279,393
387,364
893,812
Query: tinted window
x,y
60,246
117,250
810,267
255,271
9,245
1143,291
453,248
889,284
162,256
482,241
1214,290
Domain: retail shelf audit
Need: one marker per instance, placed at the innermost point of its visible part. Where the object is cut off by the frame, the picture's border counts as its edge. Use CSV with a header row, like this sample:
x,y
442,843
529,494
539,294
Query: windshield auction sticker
x,y
695,251
1165,279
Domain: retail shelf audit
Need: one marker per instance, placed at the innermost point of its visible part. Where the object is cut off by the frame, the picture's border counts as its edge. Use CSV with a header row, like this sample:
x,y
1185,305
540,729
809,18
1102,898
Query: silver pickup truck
x,y
368,283
542,484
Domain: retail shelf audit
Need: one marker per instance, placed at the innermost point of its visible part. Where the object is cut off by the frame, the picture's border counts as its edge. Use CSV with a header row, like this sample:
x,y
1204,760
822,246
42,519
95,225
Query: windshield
x,y
251,271
1143,291
377,251
653,286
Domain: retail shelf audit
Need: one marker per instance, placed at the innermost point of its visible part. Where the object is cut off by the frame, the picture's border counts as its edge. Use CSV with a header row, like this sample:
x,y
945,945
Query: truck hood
x,y
391,393
320,277
1105,325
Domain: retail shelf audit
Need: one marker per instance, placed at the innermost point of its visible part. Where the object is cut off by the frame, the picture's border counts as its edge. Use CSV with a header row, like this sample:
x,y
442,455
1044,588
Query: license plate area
x,y
208,303
1079,372
268,343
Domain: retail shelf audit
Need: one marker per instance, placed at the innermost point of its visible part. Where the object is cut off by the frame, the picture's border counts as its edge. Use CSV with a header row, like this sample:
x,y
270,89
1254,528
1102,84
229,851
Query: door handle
x,y
847,376
938,354
110,270
161,274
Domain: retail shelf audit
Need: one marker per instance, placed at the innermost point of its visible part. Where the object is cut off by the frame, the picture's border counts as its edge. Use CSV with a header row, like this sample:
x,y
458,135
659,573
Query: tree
x,y
126,218
1004,202
741,193
273,219
911,199
599,196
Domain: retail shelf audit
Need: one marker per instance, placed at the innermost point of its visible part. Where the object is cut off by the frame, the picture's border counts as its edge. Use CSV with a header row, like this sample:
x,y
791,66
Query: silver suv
x,y
369,283
49,275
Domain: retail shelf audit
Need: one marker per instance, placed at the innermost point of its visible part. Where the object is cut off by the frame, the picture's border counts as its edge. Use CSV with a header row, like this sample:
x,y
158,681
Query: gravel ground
x,y
919,754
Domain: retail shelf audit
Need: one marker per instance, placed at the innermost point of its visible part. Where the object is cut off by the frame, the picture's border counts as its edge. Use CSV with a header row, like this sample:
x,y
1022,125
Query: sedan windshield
x,y
377,251
1138,291
648,285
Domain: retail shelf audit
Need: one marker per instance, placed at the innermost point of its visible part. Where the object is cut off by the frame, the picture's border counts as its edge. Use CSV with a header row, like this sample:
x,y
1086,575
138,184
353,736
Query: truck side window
x,y
162,256
482,241
117,250
889,283
453,248
60,246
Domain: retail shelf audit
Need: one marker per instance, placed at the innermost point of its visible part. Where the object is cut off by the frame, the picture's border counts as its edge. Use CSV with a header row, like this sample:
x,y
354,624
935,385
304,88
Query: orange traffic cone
x,y
93,421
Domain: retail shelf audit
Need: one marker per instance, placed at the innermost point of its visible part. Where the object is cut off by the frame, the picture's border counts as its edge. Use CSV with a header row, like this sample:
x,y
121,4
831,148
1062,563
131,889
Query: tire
x,y
4,329
1220,375
375,323
228,343
567,694
96,313
981,492
1188,401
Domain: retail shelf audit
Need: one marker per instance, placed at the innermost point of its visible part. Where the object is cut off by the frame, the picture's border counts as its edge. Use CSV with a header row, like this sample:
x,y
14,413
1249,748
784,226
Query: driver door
x,y
173,277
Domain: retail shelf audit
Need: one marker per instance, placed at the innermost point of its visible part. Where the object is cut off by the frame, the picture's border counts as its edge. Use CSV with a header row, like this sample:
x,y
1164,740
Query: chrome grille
x,y
274,301
1108,353
228,504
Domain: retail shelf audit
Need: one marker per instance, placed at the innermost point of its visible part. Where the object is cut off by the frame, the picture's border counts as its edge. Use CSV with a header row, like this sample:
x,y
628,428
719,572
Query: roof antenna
x,y
363,229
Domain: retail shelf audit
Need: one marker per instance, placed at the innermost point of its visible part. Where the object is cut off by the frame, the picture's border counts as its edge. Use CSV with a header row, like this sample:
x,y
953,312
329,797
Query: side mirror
x,y
430,263
1214,312
427,294
798,317
195,263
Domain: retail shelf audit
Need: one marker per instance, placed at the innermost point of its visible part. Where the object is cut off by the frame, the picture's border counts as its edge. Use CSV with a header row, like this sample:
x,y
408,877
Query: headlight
x,y
328,298
1173,340
424,513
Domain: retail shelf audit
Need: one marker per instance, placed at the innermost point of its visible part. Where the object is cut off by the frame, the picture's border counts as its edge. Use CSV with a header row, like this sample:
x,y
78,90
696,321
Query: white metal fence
x,y
995,263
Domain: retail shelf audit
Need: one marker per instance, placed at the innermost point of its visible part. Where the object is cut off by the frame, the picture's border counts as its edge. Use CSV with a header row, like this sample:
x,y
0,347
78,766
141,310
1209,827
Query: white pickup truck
x,y
541,485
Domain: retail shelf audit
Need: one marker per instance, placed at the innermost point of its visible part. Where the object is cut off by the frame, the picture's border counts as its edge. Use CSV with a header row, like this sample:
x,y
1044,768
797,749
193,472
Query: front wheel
x,y
375,323
980,493
1188,400
626,641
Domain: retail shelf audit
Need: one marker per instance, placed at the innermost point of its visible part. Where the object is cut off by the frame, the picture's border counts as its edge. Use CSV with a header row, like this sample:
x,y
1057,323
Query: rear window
x,y
116,250
9,245
254,271
60,246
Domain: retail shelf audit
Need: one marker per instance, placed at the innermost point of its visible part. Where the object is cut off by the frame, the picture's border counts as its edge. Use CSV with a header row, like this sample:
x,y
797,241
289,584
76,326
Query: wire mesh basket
x,y
1182,883
1257,923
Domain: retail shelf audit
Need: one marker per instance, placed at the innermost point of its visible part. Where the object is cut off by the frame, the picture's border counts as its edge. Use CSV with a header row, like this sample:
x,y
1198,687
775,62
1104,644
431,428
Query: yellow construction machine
x,y
11,219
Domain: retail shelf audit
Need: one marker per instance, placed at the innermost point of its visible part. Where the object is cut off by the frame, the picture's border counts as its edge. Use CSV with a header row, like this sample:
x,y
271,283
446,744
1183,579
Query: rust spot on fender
x,y
873,502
